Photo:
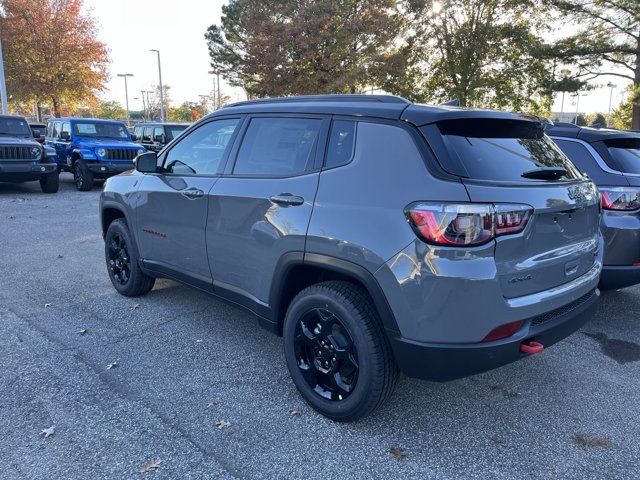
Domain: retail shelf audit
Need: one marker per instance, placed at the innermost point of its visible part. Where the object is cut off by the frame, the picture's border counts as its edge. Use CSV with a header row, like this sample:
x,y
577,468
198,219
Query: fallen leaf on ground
x,y
398,453
47,305
294,412
112,365
211,404
349,433
60,256
11,217
497,439
135,307
82,332
222,424
590,441
151,465
47,432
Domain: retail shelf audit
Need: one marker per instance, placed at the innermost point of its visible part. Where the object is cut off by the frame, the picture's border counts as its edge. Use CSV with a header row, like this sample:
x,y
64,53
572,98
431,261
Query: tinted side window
x,y
157,131
626,153
341,142
200,152
146,136
278,146
66,128
49,129
56,129
138,132
580,156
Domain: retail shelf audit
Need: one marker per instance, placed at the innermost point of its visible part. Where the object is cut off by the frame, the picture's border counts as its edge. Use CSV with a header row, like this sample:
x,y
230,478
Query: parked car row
x,y
379,236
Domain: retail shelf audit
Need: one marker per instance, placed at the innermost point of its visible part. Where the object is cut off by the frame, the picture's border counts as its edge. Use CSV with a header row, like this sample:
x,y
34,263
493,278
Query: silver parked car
x,y
375,235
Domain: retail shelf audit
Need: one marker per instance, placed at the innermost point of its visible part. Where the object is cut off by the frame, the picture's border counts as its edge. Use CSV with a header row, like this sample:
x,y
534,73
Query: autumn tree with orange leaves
x,y
52,53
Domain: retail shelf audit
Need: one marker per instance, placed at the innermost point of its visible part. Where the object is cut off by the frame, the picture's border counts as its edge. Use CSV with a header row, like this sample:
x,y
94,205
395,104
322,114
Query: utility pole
x,y
612,86
562,105
144,105
126,94
163,115
3,85
216,90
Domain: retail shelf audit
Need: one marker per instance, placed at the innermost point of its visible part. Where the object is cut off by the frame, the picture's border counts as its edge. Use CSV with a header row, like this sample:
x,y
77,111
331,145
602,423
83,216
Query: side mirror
x,y
36,133
159,138
65,136
134,137
147,162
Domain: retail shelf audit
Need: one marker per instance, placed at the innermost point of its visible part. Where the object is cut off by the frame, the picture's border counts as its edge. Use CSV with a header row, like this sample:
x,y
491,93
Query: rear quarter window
x,y
501,150
626,153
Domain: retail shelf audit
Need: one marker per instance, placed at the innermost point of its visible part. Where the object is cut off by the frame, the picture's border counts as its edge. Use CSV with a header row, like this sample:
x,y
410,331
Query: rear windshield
x,y
503,150
626,154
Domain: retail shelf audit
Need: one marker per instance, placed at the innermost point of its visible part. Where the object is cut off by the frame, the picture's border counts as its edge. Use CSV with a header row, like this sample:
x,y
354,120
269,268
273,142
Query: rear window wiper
x,y
546,173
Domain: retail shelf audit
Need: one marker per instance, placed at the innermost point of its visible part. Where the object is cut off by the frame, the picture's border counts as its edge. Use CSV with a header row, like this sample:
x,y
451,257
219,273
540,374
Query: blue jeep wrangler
x,y
22,158
91,149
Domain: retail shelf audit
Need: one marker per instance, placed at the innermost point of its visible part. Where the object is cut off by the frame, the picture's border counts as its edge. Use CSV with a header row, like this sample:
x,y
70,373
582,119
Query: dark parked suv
x,y
154,136
22,158
374,234
612,159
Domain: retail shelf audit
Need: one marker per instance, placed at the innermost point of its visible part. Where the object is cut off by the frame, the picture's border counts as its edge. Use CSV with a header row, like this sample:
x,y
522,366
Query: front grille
x,y
15,153
558,312
121,153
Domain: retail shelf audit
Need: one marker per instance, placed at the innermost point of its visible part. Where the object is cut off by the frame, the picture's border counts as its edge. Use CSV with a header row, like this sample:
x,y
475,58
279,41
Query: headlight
x,y
140,152
36,152
102,152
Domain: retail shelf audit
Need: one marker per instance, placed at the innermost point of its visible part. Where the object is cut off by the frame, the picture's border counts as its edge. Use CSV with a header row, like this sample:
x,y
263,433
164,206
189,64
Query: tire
x,y
121,254
364,374
82,176
50,182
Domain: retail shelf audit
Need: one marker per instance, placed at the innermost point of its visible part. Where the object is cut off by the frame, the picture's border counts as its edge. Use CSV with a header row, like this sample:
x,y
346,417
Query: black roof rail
x,y
566,125
451,103
326,98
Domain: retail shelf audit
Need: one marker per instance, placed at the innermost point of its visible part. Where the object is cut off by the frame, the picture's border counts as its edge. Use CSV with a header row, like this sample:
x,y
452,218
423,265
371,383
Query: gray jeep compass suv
x,y
611,158
373,234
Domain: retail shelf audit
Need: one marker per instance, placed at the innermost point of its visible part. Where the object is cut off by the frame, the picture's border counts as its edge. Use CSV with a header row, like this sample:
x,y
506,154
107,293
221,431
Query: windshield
x,y
117,131
174,131
626,153
14,127
504,150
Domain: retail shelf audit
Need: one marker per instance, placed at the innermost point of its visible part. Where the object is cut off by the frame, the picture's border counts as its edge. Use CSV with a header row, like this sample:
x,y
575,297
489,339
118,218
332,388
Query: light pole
x,y
216,91
3,85
144,105
126,93
578,95
612,86
162,112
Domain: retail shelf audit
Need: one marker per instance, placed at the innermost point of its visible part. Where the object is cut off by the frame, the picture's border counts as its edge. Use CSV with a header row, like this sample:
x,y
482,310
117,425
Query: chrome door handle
x,y
193,193
287,200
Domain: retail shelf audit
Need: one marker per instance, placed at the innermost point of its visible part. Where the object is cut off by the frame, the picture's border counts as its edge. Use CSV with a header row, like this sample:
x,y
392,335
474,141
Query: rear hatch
x,y
504,161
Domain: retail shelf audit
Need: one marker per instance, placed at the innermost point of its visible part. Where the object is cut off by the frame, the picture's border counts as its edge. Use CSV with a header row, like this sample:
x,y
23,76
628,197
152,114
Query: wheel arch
x,y
109,212
297,270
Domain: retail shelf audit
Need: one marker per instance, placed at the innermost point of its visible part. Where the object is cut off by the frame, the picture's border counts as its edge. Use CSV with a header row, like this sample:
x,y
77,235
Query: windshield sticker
x,y
88,128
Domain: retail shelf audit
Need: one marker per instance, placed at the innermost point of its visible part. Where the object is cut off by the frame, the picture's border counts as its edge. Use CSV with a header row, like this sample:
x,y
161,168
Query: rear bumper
x,y
614,277
442,362
105,170
24,171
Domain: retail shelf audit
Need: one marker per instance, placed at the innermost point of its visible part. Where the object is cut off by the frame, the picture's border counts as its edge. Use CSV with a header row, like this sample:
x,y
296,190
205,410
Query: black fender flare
x,y
344,267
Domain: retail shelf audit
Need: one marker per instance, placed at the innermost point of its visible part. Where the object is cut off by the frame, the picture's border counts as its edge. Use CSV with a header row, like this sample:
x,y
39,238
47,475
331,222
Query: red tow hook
x,y
531,348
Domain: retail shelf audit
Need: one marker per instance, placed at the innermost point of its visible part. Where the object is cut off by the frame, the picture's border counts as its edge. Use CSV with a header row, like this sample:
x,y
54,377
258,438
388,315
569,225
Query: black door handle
x,y
193,193
287,200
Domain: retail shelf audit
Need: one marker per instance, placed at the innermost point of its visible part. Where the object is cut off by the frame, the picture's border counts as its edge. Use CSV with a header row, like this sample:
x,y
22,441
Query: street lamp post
x,y
612,86
578,95
3,85
162,109
216,91
126,94
144,105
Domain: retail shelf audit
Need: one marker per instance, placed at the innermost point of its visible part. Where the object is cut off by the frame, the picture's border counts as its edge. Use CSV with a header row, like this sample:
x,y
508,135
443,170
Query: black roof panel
x,y
588,134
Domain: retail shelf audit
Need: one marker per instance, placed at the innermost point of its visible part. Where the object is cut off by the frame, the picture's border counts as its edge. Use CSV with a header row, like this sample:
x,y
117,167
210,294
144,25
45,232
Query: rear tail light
x,y
466,224
620,198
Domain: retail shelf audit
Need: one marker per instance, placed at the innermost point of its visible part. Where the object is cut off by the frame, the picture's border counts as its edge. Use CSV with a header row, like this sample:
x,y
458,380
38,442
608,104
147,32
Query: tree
x,y
581,120
153,107
609,43
111,109
621,116
481,52
52,52
187,112
280,47
597,119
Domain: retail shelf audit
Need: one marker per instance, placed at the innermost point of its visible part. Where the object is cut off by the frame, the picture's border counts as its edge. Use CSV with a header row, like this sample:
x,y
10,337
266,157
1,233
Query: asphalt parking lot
x,y
125,381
